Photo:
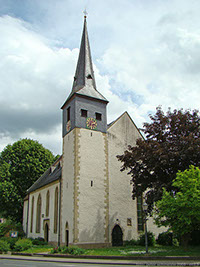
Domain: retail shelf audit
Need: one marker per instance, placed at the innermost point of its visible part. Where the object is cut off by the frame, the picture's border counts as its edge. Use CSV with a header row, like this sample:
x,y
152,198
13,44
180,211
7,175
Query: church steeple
x,y
84,80
85,107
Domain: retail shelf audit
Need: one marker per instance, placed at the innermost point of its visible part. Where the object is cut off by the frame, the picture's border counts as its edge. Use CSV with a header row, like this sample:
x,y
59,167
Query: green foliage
x,y
72,250
195,238
11,241
180,209
10,225
165,239
131,242
21,164
39,241
150,238
23,244
172,143
4,246
68,250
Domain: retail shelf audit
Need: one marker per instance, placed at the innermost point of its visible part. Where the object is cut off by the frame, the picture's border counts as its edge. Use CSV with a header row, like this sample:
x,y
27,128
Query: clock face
x,y
91,123
68,126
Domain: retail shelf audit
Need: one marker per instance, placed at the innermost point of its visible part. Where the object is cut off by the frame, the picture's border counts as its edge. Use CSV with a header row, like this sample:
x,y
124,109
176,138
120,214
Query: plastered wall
x,y
43,191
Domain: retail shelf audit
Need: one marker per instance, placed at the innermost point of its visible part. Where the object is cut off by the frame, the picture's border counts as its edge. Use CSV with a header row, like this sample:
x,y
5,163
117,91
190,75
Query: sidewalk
x,y
161,261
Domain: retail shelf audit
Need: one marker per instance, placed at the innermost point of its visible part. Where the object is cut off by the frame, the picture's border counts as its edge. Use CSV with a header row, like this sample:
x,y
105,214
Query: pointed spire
x,y
84,80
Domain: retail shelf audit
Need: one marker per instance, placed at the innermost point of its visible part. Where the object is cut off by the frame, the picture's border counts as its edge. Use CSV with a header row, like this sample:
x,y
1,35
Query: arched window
x,y
47,204
56,211
38,215
32,210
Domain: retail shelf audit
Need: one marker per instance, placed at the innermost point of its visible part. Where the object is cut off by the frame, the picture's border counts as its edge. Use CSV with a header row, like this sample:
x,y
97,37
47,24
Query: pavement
x,y
148,261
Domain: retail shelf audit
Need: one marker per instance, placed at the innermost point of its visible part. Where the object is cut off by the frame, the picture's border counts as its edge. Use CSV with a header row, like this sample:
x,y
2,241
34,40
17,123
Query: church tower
x,y
85,186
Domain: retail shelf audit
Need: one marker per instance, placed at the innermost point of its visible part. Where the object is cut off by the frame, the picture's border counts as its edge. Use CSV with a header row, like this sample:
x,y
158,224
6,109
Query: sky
x,y
146,53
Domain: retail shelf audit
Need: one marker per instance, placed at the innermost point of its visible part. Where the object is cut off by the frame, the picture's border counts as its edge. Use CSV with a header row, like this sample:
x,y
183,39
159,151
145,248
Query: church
x,y
84,199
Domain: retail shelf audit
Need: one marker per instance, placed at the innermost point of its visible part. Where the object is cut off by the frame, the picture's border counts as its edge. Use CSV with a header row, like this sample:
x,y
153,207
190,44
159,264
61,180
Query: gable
x,y
123,130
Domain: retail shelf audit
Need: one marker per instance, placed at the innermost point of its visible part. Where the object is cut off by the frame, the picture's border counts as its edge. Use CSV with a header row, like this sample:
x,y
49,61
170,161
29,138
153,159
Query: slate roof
x,y
84,80
48,177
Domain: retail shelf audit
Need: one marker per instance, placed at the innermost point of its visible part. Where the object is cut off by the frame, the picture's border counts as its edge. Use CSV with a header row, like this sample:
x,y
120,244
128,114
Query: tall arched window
x,y
47,204
56,211
38,216
32,210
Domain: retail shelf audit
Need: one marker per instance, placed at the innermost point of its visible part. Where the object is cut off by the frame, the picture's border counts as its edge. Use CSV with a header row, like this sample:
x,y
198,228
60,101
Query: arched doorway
x,y
66,235
46,232
117,236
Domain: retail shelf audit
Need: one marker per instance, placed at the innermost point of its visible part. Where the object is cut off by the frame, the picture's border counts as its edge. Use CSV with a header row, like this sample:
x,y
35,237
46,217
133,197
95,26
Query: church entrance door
x,y
66,238
46,232
117,236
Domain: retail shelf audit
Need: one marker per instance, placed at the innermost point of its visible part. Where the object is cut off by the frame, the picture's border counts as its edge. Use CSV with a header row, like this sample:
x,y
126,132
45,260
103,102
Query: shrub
x,y
4,246
11,241
150,238
131,242
39,241
165,239
72,250
9,225
195,238
23,244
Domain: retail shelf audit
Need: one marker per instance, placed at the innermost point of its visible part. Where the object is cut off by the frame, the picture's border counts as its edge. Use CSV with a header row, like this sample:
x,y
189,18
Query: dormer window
x,y
84,113
89,76
98,116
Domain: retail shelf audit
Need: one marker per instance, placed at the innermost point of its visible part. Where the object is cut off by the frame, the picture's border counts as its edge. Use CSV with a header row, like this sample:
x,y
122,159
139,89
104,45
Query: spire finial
x,y
85,13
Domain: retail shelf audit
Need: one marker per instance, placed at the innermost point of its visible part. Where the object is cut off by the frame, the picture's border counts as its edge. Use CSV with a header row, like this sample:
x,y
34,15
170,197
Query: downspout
x,y
59,215
27,217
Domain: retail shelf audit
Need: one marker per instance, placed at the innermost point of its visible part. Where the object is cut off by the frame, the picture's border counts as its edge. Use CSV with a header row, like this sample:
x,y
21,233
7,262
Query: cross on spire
x,y
85,13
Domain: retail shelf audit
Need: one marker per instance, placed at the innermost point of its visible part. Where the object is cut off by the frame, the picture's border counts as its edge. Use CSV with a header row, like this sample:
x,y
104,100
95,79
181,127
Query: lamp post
x,y
145,206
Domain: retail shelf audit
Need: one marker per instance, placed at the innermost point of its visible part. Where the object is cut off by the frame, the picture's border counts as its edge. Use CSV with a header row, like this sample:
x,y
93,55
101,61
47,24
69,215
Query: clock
x,y
68,126
91,123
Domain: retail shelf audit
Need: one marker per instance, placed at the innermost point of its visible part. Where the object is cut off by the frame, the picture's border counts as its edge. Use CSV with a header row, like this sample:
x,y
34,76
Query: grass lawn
x,y
39,249
129,251
139,250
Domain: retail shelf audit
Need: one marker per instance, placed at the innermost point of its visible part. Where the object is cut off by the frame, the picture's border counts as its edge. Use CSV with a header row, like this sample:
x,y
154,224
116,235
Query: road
x,y
24,263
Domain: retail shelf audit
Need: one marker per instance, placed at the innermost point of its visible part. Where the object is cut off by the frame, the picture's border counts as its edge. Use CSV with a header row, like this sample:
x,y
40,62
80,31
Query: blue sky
x,y
145,54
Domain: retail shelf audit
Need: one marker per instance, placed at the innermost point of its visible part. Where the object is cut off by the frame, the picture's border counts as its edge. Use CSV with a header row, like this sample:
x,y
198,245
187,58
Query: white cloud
x,y
146,53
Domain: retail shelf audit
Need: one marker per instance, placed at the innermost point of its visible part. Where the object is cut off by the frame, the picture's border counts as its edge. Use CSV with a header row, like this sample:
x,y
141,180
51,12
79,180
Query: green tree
x,y
21,164
180,210
172,143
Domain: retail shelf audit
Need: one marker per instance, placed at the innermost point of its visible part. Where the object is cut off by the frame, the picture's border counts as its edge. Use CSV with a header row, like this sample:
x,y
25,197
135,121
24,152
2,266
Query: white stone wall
x,y
121,134
43,191
91,184
67,203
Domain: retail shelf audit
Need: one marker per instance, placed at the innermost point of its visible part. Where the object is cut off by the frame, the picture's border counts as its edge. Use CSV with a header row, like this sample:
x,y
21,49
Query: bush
x,y
72,250
4,246
131,242
150,237
165,239
39,241
195,238
11,241
8,226
23,244
68,250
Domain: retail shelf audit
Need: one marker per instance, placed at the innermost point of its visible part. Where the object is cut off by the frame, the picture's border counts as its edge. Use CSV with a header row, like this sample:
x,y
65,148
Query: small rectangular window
x,y
83,113
129,222
98,116
68,114
91,183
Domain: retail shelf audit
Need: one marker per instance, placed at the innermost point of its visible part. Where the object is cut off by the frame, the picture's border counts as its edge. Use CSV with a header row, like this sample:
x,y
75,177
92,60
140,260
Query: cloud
x,y
35,80
145,54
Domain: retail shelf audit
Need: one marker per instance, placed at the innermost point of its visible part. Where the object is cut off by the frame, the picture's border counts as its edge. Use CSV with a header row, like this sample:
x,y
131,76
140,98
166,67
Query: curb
x,y
110,257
